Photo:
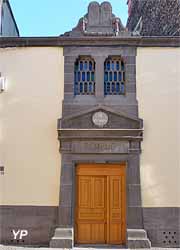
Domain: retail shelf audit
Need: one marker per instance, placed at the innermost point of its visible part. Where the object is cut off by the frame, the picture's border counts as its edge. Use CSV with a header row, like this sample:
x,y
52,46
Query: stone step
x,y
137,238
137,233
63,233
139,243
63,238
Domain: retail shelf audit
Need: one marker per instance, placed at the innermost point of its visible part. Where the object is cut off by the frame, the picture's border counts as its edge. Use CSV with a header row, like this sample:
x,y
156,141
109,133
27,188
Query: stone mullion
x,y
99,76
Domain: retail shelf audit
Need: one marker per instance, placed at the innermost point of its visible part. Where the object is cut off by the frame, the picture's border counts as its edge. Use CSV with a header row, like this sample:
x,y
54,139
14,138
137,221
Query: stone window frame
x,y
115,76
99,54
95,90
85,76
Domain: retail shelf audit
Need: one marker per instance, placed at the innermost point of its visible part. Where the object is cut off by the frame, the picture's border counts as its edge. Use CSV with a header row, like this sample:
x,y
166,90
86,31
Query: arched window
x,y
84,76
114,76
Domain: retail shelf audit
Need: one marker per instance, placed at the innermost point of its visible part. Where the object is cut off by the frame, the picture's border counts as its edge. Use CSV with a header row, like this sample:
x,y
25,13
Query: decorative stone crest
x,y
99,21
100,119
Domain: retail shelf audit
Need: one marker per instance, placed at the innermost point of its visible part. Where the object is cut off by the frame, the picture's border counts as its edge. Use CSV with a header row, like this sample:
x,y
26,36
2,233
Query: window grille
x,y
114,76
84,76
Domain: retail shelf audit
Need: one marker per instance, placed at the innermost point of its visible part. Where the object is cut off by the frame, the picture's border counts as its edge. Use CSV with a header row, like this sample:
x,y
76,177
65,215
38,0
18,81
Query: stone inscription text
x,y
100,147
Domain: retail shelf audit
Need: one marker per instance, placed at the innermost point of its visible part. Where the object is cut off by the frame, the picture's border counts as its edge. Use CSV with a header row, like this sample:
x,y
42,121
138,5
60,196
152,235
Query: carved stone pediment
x,y
101,118
99,21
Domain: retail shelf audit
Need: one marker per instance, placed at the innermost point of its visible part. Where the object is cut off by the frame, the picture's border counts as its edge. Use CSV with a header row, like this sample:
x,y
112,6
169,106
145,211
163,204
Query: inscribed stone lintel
x,y
100,147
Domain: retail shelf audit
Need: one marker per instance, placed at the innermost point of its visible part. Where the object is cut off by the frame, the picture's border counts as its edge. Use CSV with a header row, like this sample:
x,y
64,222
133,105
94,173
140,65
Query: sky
x,y
54,17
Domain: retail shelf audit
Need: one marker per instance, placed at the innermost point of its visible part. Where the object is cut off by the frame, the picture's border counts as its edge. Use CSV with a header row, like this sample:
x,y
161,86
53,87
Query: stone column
x,y
63,237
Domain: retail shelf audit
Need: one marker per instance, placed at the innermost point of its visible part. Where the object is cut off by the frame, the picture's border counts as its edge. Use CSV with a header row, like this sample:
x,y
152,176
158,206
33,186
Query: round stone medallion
x,y
100,119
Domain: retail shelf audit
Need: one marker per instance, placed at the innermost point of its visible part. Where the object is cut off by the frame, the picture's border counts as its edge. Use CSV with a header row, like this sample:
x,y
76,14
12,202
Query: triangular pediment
x,y
100,117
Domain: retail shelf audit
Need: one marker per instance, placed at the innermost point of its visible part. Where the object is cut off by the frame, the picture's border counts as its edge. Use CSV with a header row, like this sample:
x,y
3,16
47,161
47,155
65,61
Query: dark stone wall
x,y
159,17
162,225
40,222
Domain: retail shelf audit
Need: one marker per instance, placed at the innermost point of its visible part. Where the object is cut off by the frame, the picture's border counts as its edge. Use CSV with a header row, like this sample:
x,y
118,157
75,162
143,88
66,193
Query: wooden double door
x,y
100,204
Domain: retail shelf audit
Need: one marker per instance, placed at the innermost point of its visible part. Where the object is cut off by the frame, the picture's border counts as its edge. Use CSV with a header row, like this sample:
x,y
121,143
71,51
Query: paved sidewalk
x,y
2,247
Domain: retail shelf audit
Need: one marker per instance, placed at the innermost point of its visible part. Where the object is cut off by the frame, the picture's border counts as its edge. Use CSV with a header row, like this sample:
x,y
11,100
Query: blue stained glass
x,y
85,87
81,87
81,65
112,65
117,65
75,76
83,76
105,88
122,66
115,76
117,87
90,87
85,66
90,66
88,76
108,65
79,76
113,87
106,76
110,76
92,76
122,88
76,66
76,89
108,88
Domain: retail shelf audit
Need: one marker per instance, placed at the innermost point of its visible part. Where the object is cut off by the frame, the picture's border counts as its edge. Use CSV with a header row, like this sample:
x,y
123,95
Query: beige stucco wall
x,y
31,105
29,110
158,94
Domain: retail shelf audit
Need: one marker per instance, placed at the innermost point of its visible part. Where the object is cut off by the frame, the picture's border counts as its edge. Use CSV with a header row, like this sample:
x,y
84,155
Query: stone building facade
x,y
8,26
87,100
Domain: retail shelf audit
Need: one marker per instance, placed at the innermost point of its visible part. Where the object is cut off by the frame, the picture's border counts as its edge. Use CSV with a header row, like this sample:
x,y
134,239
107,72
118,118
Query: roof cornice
x,y
63,41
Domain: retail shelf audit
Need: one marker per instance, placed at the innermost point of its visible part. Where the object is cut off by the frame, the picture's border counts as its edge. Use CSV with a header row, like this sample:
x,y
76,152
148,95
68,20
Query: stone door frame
x,y
133,196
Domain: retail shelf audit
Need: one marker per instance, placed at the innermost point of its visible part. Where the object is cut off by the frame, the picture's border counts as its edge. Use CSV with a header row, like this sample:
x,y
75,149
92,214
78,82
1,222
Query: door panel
x,y
98,233
91,209
115,218
100,199
115,234
99,192
91,214
84,192
84,232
